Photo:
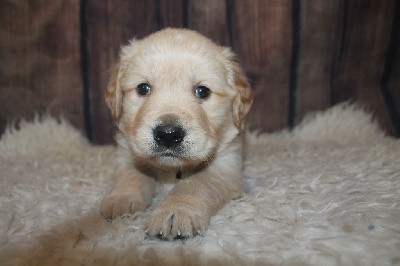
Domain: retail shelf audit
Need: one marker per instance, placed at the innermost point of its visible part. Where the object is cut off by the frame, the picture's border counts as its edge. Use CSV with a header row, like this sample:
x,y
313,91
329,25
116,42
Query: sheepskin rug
x,y
325,193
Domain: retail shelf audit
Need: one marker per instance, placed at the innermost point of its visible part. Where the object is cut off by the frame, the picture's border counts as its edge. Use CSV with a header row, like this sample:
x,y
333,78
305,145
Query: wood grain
x,y
321,25
171,13
345,50
391,80
393,92
40,60
362,62
110,24
209,17
262,38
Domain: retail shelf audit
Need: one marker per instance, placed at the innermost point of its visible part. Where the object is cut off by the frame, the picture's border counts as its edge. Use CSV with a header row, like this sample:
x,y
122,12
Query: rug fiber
x,y
326,193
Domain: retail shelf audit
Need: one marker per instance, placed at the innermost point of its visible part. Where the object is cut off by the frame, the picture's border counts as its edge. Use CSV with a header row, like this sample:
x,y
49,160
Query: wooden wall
x,y
40,59
300,55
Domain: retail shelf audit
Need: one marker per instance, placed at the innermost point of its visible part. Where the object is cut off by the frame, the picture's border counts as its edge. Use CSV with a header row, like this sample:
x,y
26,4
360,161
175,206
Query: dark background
x,y
300,55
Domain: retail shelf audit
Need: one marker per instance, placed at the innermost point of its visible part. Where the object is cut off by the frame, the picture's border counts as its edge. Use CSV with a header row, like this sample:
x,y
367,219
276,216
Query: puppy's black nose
x,y
169,135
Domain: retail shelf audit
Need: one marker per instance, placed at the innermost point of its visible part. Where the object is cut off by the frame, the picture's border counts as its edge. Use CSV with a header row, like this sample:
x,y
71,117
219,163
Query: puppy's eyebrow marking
x,y
220,94
127,89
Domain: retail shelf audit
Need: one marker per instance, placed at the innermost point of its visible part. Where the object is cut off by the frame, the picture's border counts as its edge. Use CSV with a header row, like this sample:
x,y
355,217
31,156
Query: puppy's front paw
x,y
171,221
117,203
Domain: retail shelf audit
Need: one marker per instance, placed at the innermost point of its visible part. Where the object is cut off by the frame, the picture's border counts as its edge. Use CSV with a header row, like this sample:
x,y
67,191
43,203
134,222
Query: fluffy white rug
x,y
327,193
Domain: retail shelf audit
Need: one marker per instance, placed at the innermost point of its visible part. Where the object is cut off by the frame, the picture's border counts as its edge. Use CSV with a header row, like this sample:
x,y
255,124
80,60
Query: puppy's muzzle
x,y
168,135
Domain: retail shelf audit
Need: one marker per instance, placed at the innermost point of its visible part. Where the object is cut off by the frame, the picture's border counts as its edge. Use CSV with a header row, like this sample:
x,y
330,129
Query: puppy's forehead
x,y
182,40
181,52
178,41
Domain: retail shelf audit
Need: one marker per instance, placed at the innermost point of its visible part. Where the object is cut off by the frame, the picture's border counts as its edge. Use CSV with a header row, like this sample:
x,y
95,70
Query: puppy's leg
x,y
187,209
133,192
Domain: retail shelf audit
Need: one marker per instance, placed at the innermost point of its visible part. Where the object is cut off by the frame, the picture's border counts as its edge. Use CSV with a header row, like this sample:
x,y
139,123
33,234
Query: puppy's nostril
x,y
168,135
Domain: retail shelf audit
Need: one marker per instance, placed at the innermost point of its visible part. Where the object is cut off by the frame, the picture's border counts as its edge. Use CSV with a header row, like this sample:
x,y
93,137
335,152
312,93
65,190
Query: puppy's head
x,y
178,98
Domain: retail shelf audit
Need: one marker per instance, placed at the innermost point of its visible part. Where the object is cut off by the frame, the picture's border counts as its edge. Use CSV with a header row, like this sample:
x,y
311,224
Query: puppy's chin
x,y
187,155
167,161
171,161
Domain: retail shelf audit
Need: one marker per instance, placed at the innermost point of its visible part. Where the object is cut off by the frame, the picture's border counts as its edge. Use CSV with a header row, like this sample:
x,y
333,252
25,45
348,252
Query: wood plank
x,y
172,13
365,45
393,90
321,24
209,18
391,80
40,60
111,24
262,37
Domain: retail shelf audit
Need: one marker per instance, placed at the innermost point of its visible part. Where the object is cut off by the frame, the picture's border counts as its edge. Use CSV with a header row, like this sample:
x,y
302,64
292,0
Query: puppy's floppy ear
x,y
244,94
113,93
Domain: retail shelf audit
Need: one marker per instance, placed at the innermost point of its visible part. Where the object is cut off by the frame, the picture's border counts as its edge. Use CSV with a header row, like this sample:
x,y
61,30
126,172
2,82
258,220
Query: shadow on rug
x,y
326,193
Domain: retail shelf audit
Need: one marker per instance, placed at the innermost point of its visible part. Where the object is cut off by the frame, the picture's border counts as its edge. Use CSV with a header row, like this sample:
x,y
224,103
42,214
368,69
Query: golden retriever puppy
x,y
179,101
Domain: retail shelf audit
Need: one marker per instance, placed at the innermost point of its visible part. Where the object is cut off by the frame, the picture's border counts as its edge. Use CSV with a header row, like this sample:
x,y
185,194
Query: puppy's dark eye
x,y
143,89
202,92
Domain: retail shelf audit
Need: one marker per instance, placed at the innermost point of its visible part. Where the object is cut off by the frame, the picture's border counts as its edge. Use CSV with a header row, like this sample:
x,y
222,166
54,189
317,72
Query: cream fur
x,y
173,63
325,194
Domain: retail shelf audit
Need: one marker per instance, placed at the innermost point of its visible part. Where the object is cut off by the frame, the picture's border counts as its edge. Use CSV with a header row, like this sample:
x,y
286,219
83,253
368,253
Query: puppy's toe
x,y
174,223
116,204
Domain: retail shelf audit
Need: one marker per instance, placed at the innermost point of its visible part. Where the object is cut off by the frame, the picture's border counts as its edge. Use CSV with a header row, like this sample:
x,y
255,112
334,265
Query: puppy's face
x,y
177,97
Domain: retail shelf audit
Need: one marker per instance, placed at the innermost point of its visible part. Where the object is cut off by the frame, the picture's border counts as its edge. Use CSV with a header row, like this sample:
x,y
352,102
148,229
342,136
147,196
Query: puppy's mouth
x,y
168,154
168,158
